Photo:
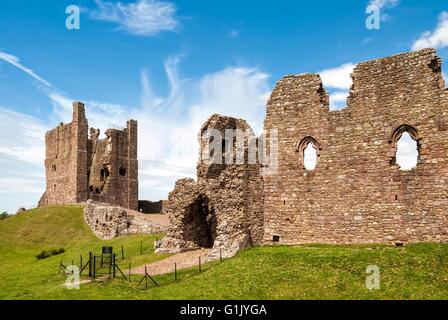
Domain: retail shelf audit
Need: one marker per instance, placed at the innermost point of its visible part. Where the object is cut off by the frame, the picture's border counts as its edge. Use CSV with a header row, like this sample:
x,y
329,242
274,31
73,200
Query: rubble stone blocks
x,y
108,222
356,193
223,210
79,168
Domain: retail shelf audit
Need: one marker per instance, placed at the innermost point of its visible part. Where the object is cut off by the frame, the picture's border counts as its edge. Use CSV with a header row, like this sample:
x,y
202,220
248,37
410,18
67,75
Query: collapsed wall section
x,y
223,210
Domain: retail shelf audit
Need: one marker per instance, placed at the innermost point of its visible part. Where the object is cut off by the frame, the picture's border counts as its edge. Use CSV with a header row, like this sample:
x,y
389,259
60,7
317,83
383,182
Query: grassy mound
x,y
418,271
49,229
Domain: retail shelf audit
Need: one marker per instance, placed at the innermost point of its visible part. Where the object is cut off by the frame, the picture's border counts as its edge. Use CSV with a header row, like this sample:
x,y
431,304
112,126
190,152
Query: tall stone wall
x,y
78,168
223,210
113,168
66,160
357,192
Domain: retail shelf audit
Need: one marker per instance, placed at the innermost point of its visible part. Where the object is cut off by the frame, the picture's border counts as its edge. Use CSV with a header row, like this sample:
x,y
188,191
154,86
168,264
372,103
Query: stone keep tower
x,y
78,168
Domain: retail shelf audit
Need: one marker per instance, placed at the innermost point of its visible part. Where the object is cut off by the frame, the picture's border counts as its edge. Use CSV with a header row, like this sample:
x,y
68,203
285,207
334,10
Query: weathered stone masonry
x,y
356,194
78,168
223,210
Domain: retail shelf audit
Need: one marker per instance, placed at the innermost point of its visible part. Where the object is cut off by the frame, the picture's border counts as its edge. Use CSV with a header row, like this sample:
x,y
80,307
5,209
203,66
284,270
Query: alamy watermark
x,y
73,21
373,21
72,281
373,278
241,147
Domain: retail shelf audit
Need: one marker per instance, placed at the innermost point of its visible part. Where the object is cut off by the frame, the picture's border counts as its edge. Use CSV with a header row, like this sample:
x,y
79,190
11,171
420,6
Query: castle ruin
x,y
79,168
356,193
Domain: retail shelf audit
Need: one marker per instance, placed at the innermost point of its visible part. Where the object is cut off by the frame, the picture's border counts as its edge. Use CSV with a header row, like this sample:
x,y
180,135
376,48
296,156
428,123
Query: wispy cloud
x,y
168,126
22,155
384,3
339,77
367,40
16,63
338,81
143,17
234,34
434,39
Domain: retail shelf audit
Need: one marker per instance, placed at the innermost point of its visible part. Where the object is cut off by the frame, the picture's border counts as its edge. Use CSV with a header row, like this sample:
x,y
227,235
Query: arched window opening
x,y
310,157
211,150
407,152
406,147
309,151
224,146
104,173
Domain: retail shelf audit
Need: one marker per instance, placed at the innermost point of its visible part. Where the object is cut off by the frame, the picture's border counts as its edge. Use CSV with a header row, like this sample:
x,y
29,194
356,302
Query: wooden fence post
x,y
146,278
122,252
175,271
200,264
90,263
94,267
113,261
141,246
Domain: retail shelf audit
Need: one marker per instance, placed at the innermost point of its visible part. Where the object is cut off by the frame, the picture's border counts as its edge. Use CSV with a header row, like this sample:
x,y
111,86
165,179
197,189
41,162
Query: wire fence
x,y
106,266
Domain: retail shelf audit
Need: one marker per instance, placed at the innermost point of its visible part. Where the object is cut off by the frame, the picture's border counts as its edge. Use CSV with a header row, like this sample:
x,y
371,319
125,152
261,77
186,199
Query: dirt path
x,y
183,260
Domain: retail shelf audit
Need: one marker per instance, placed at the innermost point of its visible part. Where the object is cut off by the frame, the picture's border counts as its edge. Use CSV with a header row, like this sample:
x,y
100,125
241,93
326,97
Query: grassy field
x,y
417,271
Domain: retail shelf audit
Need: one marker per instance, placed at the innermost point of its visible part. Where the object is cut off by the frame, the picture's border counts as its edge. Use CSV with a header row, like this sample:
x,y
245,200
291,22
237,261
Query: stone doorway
x,y
200,223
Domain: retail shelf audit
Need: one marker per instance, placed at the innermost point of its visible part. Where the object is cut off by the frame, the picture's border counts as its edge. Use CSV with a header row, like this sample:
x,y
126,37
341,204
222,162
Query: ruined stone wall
x,y
113,169
108,222
65,160
357,192
223,210
78,168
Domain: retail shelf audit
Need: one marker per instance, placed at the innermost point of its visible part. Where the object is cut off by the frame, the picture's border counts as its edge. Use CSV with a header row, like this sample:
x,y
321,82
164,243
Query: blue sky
x,y
171,64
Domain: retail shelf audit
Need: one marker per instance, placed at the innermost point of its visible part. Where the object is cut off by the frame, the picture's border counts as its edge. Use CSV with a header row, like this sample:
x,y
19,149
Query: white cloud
x,y
21,159
16,62
367,40
338,82
338,100
339,77
310,157
22,137
406,152
168,126
234,34
384,3
435,39
168,129
143,17
445,77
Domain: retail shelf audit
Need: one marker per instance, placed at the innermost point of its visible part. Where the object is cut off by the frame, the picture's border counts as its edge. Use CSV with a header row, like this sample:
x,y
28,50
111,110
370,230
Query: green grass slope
x,y
22,237
418,271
